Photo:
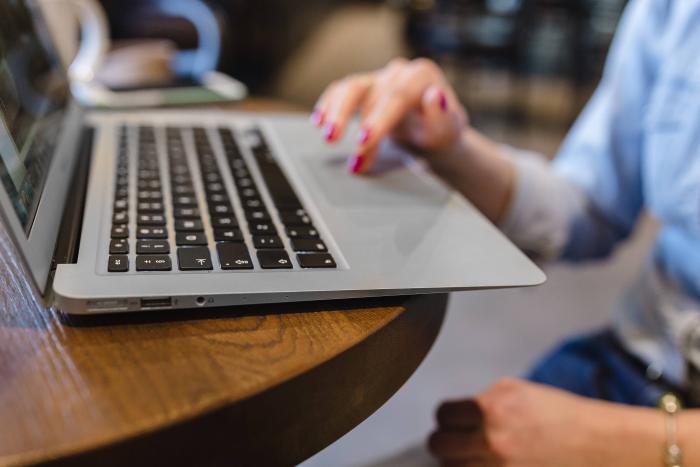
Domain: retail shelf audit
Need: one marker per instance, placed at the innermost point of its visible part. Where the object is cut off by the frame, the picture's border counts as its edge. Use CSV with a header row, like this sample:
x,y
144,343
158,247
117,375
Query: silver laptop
x,y
116,212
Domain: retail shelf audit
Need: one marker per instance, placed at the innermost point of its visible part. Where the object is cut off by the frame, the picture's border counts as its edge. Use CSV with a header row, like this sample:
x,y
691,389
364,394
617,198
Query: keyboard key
x,y
190,238
194,258
121,204
146,195
262,228
188,225
118,263
150,219
293,218
220,209
308,244
316,260
186,213
228,235
152,247
218,198
120,217
150,208
274,259
228,221
185,201
267,241
302,232
234,256
118,247
153,263
253,203
151,232
257,215
179,190
120,231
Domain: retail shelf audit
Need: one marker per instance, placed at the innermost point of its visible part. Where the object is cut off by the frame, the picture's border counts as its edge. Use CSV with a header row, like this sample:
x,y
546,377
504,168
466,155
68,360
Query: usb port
x,y
161,302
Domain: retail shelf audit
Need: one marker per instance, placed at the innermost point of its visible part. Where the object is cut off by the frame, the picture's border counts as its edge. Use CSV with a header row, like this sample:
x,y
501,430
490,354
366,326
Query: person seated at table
x,y
635,147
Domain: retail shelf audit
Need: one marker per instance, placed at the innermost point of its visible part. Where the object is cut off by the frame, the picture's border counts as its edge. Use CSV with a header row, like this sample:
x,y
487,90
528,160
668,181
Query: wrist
x,y
623,435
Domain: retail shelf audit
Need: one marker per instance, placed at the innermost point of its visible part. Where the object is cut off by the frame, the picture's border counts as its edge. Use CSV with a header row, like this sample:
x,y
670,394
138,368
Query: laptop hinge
x,y
71,222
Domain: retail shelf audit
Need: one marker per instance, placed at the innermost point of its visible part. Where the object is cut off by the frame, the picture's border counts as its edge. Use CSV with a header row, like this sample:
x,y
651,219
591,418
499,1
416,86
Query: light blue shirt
x,y
635,147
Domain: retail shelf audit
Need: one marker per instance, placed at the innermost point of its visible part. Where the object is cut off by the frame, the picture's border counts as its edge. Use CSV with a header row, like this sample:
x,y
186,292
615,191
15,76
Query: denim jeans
x,y
597,366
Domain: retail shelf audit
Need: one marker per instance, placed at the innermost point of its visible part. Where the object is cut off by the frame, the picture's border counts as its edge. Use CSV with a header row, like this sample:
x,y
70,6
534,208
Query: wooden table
x,y
255,385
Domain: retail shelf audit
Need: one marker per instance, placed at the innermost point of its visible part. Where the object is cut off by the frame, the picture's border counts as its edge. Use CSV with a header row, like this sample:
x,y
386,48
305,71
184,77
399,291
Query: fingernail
x,y
356,163
364,135
317,117
443,101
330,132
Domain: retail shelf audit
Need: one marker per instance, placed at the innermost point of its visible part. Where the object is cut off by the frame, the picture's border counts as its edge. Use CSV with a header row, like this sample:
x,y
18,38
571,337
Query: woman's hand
x,y
410,101
521,424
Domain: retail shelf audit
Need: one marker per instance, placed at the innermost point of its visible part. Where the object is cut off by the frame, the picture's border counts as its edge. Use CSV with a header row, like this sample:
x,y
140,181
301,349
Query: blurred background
x,y
524,69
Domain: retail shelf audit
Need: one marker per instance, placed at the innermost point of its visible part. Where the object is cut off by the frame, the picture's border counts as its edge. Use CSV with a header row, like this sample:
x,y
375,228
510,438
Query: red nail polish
x,y
364,135
330,132
443,101
356,163
317,117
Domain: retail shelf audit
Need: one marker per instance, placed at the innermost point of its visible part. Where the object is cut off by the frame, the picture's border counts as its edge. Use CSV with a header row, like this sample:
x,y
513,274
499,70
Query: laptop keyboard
x,y
198,229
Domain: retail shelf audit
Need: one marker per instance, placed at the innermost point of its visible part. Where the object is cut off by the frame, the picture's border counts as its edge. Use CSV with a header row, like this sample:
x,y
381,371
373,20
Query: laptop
x,y
158,210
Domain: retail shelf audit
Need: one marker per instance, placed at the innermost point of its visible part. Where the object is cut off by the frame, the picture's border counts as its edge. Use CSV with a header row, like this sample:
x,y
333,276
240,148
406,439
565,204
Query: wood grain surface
x,y
265,385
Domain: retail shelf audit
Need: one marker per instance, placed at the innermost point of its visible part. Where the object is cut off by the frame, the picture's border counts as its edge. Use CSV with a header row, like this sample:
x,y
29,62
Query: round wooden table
x,y
255,385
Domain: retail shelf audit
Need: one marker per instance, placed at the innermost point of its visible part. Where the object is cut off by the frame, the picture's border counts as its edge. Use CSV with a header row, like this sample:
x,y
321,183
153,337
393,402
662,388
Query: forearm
x,y
477,168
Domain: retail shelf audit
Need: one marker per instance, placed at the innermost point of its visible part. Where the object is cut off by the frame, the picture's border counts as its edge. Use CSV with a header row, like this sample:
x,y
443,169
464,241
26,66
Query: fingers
x,y
460,415
339,102
459,446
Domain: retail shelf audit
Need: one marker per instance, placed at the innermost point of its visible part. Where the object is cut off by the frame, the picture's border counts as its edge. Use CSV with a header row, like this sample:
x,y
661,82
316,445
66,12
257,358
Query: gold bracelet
x,y
671,405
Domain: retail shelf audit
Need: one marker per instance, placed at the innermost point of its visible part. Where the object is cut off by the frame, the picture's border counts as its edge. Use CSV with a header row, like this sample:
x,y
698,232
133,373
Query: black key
x,y
215,187
267,241
118,247
257,215
262,228
228,235
194,258
253,203
316,260
308,244
302,232
118,263
186,213
190,238
249,193
150,195
188,225
292,218
152,232
151,219
274,259
121,204
120,217
245,182
121,192
218,198
212,177
149,208
220,209
153,263
225,222
182,190
234,256
185,201
120,231
149,184
152,247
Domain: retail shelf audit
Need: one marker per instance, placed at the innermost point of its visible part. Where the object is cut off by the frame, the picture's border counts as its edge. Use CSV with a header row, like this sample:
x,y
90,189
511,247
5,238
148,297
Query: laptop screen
x,y
33,96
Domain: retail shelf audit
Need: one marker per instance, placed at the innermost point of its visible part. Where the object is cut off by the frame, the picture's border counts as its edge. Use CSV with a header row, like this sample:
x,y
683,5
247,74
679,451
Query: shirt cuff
x,y
538,217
